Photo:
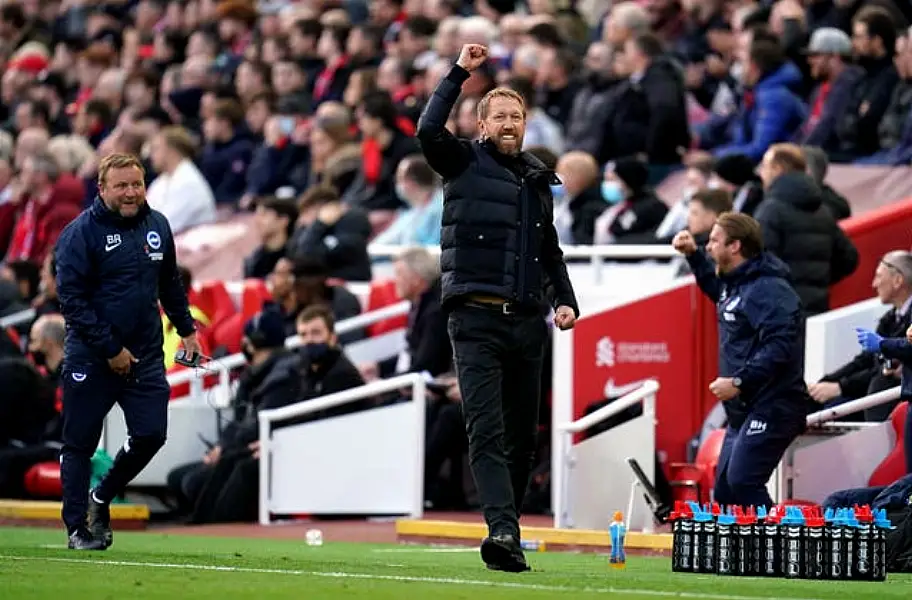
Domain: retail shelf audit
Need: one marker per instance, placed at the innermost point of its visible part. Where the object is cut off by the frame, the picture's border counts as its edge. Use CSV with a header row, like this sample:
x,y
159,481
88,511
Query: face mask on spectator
x,y
316,352
402,193
38,358
612,192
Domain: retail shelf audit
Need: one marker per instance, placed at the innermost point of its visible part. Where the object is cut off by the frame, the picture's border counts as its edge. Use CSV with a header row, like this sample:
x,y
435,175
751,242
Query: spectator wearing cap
x,y
636,212
874,43
227,152
817,166
180,192
800,230
335,233
218,488
735,173
828,54
895,131
864,374
51,88
274,221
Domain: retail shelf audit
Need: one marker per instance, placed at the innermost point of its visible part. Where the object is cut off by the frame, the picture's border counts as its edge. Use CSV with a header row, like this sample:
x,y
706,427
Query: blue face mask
x,y
558,191
612,192
315,353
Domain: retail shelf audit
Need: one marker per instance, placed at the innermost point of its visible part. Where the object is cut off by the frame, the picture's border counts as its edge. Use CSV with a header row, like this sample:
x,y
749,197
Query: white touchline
x,y
400,578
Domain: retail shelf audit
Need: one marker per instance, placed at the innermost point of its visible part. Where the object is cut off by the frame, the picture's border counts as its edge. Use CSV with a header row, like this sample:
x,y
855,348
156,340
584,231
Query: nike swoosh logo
x,y
111,247
612,391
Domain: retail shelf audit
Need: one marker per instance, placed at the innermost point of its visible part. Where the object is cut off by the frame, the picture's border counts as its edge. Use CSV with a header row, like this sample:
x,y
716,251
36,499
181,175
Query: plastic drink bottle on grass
x,y
618,532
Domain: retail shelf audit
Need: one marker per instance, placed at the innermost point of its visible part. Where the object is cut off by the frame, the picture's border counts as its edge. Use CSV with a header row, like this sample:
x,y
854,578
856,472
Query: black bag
x,y
899,542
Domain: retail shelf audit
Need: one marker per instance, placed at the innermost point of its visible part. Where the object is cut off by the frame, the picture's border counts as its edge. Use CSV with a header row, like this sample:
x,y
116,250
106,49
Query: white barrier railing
x,y
237,360
375,467
806,470
591,482
853,406
17,318
598,255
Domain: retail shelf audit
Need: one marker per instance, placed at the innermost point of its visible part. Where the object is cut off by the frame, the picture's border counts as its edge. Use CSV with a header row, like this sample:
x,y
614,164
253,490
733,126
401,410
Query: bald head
x,y
334,112
49,328
31,141
578,171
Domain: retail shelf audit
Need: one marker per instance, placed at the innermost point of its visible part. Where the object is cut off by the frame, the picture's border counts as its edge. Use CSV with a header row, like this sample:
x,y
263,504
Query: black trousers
x,y
498,362
89,393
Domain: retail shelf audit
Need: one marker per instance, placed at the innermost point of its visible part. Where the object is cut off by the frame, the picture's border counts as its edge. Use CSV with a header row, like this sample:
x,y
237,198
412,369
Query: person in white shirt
x,y
180,191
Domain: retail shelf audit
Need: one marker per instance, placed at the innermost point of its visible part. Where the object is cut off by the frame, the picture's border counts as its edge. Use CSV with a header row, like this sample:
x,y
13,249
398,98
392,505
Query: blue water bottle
x,y
618,532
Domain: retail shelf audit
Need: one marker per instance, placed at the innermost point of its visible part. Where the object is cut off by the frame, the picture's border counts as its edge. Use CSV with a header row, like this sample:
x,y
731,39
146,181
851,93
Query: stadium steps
x,y
42,513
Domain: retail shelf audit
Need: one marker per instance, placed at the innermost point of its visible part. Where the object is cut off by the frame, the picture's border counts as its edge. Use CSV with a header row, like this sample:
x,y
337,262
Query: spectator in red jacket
x,y
51,200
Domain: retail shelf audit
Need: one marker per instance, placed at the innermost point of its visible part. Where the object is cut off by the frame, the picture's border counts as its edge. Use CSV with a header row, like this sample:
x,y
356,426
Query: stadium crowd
x,y
304,112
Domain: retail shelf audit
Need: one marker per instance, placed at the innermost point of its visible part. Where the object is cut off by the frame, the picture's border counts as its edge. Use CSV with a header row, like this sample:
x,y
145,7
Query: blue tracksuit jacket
x,y
111,274
761,337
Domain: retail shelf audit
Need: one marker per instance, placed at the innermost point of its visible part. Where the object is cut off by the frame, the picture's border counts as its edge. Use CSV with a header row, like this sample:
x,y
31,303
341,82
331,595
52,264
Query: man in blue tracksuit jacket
x,y
115,261
761,354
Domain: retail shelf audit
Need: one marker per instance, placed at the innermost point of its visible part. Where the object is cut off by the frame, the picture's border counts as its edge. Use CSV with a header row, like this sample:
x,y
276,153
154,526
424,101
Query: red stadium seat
x,y
255,294
383,293
228,333
43,480
214,300
697,479
894,465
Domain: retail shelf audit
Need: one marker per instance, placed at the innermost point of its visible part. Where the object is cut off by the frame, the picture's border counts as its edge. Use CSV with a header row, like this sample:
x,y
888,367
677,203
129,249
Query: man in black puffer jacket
x,y
799,229
499,251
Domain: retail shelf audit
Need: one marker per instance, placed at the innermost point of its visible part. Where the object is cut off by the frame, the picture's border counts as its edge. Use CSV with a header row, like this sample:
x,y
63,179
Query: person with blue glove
x,y
900,349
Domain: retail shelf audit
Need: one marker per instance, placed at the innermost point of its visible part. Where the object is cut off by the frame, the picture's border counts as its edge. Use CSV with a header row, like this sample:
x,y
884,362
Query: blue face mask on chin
x,y
612,192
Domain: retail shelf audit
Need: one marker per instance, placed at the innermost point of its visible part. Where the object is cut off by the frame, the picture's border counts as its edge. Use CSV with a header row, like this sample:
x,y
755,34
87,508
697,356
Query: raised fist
x,y
684,243
472,56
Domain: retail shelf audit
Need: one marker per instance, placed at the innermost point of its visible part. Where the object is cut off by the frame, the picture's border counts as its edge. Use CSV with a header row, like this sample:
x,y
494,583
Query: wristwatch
x,y
736,381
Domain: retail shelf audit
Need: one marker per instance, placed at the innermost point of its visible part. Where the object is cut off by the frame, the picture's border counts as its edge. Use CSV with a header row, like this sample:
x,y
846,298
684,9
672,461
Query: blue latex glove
x,y
868,340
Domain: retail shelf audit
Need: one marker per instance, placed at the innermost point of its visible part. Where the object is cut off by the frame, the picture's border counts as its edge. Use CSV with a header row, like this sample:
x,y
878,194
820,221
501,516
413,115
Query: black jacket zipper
x,y
523,249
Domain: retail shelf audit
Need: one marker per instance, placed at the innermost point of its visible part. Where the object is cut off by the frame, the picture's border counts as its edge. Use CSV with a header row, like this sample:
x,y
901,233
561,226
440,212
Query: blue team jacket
x,y
901,350
111,274
761,337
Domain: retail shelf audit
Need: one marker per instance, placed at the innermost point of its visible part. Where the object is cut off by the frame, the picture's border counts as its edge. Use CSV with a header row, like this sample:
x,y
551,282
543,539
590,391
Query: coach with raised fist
x,y
499,259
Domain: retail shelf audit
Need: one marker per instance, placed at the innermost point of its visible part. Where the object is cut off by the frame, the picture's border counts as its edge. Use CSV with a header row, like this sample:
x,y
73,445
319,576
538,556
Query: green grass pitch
x,y
35,565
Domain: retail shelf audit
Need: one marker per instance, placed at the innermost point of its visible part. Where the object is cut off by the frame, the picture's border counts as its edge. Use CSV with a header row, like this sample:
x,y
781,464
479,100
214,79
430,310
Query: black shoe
x,y
100,522
503,553
81,539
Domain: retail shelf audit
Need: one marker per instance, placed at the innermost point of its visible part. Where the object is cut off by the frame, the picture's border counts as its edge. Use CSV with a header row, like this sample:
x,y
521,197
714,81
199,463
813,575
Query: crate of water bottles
x,y
799,542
